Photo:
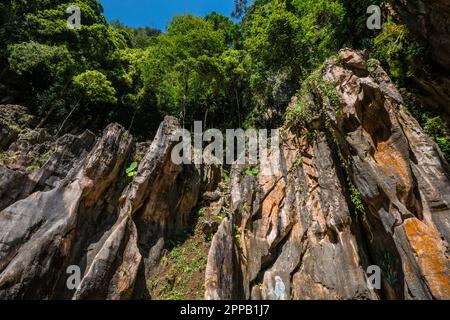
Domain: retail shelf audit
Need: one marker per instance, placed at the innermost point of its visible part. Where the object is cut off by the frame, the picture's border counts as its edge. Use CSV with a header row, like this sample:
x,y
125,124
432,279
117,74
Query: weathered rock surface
x,y
74,212
358,184
41,234
16,182
222,280
429,20
404,182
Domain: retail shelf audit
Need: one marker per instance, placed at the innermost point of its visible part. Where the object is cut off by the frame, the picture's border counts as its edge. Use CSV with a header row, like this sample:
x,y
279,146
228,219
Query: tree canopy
x,y
225,73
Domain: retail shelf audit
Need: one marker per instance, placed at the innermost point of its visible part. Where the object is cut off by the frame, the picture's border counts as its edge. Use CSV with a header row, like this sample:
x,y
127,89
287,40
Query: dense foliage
x,y
46,61
208,68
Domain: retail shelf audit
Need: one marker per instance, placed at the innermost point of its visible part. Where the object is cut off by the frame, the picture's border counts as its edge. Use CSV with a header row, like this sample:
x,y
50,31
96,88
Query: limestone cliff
x,y
85,216
359,184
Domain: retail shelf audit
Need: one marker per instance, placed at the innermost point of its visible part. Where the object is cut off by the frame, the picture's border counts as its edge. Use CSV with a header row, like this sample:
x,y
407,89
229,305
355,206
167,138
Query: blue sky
x,y
157,13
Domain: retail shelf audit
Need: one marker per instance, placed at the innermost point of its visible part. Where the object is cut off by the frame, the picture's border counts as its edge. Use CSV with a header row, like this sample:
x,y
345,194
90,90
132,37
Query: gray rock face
x,y
429,20
64,154
12,186
222,272
62,157
73,211
40,234
404,184
364,186
356,184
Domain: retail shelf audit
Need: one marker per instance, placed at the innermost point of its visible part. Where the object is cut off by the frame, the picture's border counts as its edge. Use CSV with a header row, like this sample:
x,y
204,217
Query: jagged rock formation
x,y
16,180
82,217
359,184
40,234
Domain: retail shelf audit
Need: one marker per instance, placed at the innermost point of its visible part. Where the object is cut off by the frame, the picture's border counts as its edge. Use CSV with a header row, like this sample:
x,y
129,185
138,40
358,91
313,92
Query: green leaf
x,y
132,174
132,167
251,172
131,171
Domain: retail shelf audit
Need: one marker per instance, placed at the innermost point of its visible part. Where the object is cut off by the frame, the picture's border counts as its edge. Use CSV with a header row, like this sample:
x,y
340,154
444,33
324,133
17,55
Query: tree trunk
x,y
206,118
238,106
47,115
186,89
67,118
132,120
52,109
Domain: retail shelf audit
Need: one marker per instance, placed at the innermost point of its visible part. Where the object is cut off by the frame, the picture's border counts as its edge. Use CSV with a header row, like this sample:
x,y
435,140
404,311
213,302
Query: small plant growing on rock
x,y
131,171
221,216
201,212
436,129
226,175
238,236
251,172
6,156
387,264
356,198
372,68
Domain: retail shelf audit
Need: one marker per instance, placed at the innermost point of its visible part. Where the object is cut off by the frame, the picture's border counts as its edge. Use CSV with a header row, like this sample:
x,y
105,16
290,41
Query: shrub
x,y
436,129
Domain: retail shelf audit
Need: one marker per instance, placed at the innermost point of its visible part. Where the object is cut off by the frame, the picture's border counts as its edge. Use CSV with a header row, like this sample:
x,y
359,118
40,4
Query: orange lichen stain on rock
x,y
124,281
393,164
431,256
271,208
